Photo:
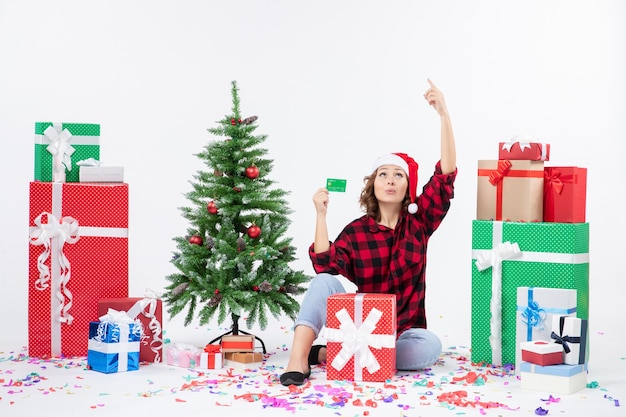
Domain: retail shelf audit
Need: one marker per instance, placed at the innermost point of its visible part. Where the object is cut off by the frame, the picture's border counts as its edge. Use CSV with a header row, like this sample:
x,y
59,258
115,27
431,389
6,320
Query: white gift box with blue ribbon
x,y
536,308
559,379
114,343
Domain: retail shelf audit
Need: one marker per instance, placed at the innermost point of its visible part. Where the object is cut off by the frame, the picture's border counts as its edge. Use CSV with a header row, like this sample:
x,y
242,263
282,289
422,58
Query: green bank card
x,y
336,185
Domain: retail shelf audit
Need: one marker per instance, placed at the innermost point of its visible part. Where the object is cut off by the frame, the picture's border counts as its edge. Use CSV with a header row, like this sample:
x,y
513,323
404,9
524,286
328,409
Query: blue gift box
x,y
113,347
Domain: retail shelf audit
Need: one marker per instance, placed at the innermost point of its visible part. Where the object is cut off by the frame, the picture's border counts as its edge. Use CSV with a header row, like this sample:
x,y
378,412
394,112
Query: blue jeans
x,y
416,348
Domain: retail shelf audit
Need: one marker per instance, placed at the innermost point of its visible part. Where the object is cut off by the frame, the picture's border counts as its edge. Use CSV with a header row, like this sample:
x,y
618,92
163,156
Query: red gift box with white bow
x,y
524,150
361,337
78,254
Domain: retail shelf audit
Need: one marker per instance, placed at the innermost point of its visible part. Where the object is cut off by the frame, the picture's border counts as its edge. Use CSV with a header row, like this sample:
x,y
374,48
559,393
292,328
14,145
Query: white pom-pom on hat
x,y
409,166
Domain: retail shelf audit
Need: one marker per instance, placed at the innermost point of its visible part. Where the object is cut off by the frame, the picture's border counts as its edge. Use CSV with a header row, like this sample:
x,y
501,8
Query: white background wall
x,y
334,83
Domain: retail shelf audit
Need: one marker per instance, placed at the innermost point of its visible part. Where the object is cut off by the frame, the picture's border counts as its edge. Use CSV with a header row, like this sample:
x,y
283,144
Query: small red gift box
x,y
542,353
238,343
510,190
149,310
361,337
212,357
520,150
77,256
564,194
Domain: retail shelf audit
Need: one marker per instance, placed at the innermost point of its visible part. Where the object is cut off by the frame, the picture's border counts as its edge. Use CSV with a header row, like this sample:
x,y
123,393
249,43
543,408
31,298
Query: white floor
x,y
30,387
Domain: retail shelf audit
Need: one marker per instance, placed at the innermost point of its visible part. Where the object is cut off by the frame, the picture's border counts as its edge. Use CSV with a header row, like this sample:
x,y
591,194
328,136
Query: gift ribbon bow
x,y
504,166
53,235
115,316
552,179
564,340
89,162
523,144
184,347
212,348
533,315
493,258
357,340
60,149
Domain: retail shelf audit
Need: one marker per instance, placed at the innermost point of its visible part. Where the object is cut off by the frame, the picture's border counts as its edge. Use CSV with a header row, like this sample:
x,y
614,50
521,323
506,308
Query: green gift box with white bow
x,y
508,255
69,143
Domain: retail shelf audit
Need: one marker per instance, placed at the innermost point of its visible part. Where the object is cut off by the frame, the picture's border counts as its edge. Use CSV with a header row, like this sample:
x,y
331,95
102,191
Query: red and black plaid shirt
x,y
393,261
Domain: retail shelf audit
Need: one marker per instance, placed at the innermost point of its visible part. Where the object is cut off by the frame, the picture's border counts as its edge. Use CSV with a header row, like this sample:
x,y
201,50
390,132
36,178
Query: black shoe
x,y
294,377
314,354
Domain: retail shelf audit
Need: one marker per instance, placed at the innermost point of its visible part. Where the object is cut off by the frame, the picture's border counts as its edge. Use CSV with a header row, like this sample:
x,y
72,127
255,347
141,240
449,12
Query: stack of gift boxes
x,y
78,256
233,351
530,267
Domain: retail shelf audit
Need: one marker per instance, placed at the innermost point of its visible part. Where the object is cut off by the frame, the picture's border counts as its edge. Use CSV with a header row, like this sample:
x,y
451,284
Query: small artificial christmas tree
x,y
235,258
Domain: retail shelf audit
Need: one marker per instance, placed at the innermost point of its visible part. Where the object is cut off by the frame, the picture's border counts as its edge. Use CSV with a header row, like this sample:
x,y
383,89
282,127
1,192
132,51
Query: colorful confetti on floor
x,y
452,387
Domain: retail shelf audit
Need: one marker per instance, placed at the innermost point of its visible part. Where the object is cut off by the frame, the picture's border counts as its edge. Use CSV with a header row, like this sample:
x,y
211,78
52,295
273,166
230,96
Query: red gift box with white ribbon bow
x,y
78,254
361,337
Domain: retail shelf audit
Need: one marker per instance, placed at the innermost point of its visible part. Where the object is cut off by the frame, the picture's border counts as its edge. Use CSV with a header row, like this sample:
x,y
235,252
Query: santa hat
x,y
409,166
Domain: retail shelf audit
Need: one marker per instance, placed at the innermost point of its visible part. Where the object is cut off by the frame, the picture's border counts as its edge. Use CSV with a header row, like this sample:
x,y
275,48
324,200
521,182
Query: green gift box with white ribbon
x,y
508,255
59,146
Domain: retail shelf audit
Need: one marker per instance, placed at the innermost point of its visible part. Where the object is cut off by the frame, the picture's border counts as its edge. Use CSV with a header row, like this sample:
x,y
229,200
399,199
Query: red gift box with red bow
x,y
565,194
212,357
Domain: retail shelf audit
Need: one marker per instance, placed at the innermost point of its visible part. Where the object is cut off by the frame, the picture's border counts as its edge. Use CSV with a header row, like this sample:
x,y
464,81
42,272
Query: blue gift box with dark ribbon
x,y
114,345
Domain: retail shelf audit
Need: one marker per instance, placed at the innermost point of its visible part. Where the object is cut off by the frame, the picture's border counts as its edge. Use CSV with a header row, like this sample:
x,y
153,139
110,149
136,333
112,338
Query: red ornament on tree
x,y
195,240
254,231
255,288
252,172
211,207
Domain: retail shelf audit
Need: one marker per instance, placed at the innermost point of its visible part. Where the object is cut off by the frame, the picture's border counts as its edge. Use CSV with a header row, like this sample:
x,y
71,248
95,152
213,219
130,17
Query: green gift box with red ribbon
x,y
66,143
565,194
510,190
78,254
508,255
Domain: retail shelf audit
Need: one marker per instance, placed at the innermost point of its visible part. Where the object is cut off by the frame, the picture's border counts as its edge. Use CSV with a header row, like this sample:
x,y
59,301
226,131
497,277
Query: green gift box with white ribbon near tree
x,y
508,255
60,146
